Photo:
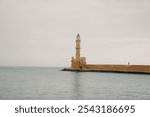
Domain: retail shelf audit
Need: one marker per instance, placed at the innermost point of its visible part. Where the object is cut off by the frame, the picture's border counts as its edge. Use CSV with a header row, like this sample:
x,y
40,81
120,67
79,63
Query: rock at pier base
x,y
108,71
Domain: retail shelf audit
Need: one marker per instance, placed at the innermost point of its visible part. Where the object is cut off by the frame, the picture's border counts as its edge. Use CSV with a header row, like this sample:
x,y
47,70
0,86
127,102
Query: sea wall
x,y
121,68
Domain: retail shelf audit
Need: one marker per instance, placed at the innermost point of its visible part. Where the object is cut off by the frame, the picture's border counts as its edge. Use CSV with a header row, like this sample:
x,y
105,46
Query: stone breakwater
x,y
78,63
113,68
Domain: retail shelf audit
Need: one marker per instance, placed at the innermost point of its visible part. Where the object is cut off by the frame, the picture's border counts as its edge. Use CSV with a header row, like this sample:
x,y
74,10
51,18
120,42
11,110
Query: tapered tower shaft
x,y
78,47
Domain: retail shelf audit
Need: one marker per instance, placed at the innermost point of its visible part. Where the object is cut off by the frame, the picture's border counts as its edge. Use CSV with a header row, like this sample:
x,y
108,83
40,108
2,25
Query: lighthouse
x,y
78,47
77,62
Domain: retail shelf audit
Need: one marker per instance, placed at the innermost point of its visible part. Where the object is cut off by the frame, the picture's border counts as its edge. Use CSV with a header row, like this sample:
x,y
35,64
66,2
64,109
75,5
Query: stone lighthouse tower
x,y
78,47
78,63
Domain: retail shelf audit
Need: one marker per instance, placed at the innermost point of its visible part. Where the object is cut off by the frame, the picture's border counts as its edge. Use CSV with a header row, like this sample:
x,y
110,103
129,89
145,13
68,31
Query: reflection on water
x,y
76,86
51,83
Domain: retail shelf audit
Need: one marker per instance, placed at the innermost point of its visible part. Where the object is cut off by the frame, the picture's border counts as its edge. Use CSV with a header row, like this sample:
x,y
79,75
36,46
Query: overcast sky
x,y
43,32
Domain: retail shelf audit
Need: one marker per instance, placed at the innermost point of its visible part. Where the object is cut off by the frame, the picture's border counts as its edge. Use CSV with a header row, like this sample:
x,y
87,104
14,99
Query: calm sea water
x,y
51,83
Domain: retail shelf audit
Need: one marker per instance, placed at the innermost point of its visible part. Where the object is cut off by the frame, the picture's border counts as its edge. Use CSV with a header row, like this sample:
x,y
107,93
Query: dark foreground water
x,y
51,83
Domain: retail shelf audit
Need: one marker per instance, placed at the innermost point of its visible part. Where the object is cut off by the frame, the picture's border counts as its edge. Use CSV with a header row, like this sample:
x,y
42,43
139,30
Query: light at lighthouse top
x,y
78,37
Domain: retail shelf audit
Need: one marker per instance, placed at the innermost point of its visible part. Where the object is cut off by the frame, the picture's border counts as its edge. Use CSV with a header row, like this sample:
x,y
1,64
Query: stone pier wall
x,y
121,68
